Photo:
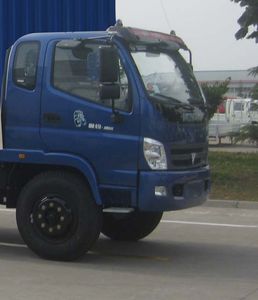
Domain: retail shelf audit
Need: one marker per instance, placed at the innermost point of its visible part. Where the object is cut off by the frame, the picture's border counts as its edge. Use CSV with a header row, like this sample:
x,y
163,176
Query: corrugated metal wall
x,y
18,17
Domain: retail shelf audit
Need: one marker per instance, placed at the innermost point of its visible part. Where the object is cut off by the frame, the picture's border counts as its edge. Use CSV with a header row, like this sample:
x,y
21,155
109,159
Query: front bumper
x,y
183,189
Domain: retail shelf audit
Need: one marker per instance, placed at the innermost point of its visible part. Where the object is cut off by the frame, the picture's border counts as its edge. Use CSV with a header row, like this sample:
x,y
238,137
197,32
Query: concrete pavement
x,y
198,254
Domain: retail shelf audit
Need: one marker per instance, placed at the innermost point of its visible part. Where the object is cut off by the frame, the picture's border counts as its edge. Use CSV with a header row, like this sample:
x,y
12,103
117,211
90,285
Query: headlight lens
x,y
155,154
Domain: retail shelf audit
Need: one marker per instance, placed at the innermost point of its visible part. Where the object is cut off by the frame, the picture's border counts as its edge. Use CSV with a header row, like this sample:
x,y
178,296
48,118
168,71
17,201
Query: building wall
x,y
240,85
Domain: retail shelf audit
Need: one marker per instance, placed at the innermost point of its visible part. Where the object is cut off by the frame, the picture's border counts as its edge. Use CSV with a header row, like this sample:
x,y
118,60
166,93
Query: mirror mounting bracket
x,y
116,117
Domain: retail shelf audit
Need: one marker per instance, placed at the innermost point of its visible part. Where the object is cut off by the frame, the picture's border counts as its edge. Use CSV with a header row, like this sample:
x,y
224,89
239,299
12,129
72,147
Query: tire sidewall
x,y
85,213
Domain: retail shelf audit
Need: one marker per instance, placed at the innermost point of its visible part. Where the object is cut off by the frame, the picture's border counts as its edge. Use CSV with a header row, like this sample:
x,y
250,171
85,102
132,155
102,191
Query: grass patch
x,y
234,176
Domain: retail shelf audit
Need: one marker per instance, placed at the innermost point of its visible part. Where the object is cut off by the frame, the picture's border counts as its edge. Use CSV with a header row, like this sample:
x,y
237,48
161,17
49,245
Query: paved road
x,y
201,253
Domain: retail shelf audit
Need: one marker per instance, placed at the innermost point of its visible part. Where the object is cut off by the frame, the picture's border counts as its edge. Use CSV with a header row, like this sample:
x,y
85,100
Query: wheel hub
x,y
52,217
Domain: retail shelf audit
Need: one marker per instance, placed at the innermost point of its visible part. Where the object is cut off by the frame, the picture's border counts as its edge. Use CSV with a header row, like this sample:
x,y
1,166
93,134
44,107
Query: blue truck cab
x,y
101,132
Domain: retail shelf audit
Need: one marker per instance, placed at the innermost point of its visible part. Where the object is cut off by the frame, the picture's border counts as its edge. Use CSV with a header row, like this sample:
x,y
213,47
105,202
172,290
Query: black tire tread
x,y
130,227
89,215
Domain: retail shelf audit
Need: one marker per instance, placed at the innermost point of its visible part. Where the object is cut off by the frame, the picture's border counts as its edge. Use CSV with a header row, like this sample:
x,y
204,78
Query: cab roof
x,y
47,36
129,34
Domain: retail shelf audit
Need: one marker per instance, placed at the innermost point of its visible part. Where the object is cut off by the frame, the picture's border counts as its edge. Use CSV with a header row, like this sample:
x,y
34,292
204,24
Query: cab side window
x,y
76,72
25,65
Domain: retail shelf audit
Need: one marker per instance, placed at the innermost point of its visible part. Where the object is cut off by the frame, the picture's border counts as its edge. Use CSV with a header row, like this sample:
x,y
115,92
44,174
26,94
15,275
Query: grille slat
x,y
188,156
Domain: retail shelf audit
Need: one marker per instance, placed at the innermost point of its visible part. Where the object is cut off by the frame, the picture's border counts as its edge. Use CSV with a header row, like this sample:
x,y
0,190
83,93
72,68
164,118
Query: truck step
x,y
120,210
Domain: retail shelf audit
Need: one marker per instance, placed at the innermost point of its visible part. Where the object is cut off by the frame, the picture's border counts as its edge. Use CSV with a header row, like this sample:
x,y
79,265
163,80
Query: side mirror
x,y
109,66
109,75
109,91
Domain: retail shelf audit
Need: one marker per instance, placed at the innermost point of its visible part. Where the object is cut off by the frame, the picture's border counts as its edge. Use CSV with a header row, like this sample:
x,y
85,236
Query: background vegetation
x,y
234,176
214,95
248,23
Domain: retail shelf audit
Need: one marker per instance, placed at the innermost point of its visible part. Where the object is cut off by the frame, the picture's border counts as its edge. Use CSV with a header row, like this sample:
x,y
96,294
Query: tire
x,y
130,227
57,216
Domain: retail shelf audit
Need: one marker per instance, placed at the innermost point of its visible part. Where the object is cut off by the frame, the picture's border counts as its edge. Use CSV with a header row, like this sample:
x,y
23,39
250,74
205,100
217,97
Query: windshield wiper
x,y
174,102
198,103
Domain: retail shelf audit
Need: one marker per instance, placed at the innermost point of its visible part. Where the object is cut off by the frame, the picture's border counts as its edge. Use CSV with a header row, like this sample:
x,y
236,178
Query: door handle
x,y
51,118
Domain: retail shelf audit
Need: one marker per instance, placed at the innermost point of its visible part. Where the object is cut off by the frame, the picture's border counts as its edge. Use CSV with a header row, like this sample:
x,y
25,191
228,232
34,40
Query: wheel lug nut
x,y
58,227
50,229
51,204
40,216
43,207
59,209
43,225
62,218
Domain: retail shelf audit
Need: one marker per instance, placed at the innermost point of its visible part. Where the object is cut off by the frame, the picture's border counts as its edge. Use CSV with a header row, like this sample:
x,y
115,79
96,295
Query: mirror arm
x,y
116,117
190,58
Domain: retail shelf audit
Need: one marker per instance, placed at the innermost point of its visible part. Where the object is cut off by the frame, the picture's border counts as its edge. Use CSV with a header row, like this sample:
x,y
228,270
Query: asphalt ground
x,y
200,253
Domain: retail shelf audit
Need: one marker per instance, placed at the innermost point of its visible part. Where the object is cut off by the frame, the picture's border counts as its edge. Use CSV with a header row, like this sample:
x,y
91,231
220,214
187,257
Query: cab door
x,y
76,121
21,102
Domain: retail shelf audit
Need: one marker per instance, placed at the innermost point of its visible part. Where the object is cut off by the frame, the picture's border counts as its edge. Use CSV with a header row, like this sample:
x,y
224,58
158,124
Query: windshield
x,y
238,106
167,77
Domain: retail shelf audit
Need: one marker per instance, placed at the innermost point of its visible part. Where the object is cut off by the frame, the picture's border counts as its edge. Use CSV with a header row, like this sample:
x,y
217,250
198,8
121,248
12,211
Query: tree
x,y
254,92
248,21
214,95
247,133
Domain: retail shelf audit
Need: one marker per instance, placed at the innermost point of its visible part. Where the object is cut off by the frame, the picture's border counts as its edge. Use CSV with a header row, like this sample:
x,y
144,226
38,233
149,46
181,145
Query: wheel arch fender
x,y
79,164
47,160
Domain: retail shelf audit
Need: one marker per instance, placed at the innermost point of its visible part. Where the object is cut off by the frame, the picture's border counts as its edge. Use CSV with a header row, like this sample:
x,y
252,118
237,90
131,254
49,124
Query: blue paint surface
x,y
19,17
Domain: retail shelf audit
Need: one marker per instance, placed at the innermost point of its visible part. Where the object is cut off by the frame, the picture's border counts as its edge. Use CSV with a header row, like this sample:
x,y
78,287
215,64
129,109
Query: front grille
x,y
188,156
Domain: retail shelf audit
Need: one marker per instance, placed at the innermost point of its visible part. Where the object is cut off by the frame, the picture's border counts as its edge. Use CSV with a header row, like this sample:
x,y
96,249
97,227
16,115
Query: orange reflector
x,y
22,156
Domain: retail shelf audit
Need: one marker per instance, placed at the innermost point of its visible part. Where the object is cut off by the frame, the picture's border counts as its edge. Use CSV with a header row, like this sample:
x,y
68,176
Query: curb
x,y
231,204
233,149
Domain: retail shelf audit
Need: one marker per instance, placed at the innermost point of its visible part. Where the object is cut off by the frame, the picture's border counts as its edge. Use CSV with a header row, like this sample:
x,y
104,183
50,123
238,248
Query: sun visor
x,y
141,36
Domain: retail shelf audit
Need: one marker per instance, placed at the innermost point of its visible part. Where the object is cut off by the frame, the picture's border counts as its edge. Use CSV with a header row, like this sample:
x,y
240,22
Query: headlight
x,y
155,154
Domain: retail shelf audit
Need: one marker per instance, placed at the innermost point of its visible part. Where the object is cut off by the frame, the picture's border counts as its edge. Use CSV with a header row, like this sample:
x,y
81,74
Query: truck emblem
x,y
193,158
79,118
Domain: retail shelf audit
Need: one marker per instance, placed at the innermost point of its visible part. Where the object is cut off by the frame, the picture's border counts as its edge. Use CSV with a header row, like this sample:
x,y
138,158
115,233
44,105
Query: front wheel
x,y
57,216
130,227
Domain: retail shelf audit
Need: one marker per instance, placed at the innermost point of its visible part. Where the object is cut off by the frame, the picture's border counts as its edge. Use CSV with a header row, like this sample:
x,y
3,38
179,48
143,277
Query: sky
x,y
208,27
